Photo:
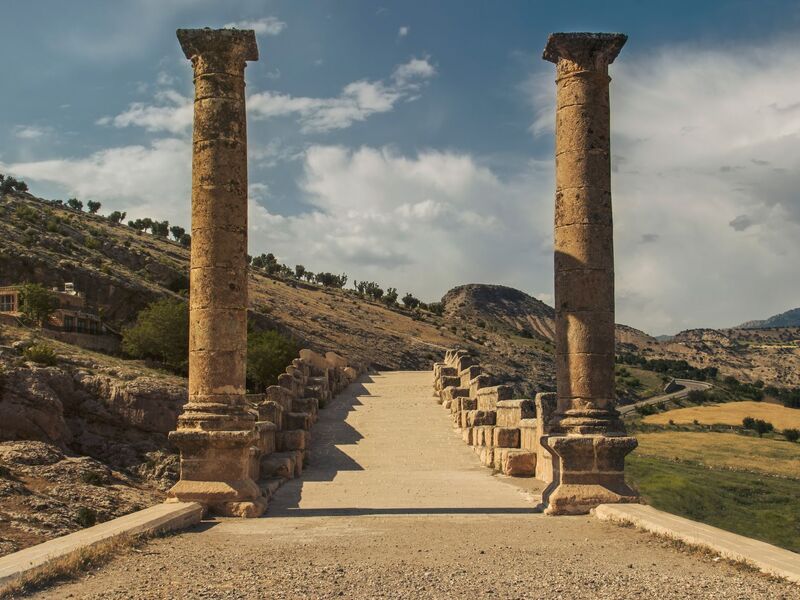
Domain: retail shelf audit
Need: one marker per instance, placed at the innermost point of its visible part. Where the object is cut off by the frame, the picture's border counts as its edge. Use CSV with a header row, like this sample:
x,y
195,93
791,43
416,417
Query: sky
x,y
411,143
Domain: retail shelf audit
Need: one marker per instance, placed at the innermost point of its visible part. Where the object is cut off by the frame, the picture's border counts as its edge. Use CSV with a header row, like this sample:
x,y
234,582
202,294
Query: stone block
x,y
487,398
281,464
477,383
467,435
296,439
480,418
510,412
505,437
298,420
482,436
515,462
266,437
468,375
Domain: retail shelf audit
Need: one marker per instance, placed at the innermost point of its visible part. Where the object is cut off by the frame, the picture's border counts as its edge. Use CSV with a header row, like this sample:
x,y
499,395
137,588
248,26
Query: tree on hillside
x,y
331,280
310,276
75,204
93,206
10,184
390,298
791,434
161,333
410,301
268,354
116,217
186,240
177,232
299,271
436,308
160,228
37,303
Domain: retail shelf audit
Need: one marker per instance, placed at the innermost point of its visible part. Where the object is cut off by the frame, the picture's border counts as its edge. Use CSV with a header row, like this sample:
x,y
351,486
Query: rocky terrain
x,y
83,440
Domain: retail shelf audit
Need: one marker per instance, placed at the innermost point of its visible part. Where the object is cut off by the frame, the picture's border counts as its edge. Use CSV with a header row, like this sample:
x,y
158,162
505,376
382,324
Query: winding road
x,y
688,386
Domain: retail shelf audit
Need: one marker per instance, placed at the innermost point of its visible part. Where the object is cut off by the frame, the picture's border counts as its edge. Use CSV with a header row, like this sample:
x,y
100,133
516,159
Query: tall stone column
x,y
589,444
216,434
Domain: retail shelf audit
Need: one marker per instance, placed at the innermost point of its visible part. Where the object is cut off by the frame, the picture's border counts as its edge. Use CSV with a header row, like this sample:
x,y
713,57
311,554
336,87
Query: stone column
x,y
588,441
216,434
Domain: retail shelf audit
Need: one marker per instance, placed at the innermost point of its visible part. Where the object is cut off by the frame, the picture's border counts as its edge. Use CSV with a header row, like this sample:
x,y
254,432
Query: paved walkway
x,y
395,505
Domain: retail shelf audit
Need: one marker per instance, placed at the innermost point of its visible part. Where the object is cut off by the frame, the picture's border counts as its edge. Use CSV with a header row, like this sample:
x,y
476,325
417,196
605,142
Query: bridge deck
x,y
394,505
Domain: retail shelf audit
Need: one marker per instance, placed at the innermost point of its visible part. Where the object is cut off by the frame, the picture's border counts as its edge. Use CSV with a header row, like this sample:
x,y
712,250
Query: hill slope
x,y
790,318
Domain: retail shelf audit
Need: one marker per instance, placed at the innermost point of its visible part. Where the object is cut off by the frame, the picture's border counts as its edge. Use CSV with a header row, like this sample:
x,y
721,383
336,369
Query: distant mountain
x,y
790,318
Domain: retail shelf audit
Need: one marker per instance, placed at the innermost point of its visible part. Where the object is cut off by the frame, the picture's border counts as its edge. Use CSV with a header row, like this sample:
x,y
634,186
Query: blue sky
x,y
411,143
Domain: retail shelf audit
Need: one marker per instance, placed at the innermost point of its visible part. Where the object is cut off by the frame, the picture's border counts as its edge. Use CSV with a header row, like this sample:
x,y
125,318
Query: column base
x,y
216,471
588,470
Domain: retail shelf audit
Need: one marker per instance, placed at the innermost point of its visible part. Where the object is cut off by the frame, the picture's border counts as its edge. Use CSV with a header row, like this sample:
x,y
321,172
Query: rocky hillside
x,y
81,440
790,318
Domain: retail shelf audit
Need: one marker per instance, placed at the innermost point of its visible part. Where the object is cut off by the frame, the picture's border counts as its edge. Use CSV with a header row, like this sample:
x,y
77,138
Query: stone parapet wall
x,y
285,412
504,432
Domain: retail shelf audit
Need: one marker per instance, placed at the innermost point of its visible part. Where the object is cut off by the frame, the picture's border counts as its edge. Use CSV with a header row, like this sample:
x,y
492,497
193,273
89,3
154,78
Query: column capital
x,y
584,51
229,47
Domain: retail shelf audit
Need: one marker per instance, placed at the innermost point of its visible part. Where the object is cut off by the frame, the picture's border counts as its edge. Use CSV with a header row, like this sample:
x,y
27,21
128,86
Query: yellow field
x,y
724,450
731,413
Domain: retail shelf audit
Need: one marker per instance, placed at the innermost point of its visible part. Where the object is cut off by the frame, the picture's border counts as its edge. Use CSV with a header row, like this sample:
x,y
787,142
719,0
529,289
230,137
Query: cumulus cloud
x,y
146,181
356,102
424,222
171,112
265,26
705,155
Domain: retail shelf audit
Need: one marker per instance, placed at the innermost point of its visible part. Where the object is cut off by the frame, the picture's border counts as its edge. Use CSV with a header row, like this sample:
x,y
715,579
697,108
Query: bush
x,y
268,355
10,184
86,517
791,434
758,425
409,301
92,243
41,354
93,206
331,280
390,298
177,232
75,204
161,333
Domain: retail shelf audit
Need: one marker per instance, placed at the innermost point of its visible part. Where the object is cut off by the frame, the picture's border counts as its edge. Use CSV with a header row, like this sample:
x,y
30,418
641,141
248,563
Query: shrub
x,y
92,243
791,434
75,204
436,308
331,280
27,213
9,184
268,354
299,271
758,425
93,206
41,354
86,517
186,240
161,333
748,423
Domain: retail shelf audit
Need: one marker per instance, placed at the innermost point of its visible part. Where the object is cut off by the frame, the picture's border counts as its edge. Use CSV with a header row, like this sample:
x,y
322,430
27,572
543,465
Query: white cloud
x,y
146,181
357,101
704,145
266,26
421,223
31,132
172,112
403,31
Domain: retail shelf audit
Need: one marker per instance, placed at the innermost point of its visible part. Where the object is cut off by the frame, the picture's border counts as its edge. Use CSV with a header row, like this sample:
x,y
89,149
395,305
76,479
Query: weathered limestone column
x,y
216,434
589,442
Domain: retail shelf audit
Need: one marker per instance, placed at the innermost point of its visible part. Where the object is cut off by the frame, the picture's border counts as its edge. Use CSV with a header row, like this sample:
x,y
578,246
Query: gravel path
x,y
396,506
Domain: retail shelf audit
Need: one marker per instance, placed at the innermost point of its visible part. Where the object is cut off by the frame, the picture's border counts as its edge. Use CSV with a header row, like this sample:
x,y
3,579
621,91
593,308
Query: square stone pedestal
x,y
588,470
216,471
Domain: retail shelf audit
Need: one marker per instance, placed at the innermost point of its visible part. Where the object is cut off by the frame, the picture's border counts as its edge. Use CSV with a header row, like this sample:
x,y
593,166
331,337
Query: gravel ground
x,y
396,506
441,556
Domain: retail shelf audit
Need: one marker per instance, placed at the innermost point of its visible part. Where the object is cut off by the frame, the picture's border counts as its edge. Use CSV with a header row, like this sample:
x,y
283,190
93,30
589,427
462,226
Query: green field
x,y
759,506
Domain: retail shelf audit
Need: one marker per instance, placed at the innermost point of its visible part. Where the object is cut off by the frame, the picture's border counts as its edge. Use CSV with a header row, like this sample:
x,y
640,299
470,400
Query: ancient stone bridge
x,y
226,439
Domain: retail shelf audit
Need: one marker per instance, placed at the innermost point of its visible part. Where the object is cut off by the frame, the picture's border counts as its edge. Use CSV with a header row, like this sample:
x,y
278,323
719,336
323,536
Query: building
x,y
71,316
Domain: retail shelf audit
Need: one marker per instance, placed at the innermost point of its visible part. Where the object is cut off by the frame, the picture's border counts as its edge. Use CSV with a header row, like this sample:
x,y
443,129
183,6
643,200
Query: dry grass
x,y
724,450
730,413
70,566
